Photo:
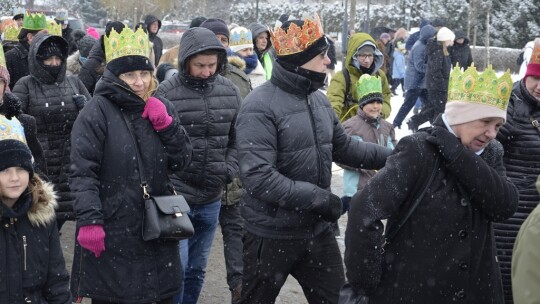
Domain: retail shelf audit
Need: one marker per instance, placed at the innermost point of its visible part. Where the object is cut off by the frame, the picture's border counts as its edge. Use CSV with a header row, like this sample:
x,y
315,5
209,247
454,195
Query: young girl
x,y
32,268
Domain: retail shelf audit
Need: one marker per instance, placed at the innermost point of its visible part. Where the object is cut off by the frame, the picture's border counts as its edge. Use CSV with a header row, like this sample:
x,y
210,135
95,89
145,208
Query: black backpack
x,y
349,101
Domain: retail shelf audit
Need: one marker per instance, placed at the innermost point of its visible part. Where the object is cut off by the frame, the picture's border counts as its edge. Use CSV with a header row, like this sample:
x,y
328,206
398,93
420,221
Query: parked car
x,y
174,28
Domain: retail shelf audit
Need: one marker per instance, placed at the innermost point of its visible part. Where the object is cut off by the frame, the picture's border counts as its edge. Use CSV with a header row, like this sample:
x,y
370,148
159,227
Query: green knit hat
x,y
369,89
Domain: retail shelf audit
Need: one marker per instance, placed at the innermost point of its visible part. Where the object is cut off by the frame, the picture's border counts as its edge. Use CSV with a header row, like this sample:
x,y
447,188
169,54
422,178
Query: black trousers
x,y
315,263
166,301
433,106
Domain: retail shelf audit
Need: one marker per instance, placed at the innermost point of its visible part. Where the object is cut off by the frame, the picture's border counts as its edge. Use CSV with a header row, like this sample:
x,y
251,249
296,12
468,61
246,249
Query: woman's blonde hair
x,y
444,48
151,88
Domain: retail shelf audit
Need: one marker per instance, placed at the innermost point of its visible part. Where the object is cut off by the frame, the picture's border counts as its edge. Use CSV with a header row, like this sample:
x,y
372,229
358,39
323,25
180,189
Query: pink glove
x,y
156,112
92,237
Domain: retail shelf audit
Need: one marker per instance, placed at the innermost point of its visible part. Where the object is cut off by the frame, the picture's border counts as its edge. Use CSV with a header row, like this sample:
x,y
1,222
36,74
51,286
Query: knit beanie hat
x,y
473,96
93,32
217,26
369,89
385,36
444,34
241,38
53,46
533,68
197,21
83,42
298,41
15,153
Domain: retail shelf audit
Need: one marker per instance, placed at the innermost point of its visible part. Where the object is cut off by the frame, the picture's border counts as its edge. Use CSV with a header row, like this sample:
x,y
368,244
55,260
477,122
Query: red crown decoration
x,y
296,39
535,57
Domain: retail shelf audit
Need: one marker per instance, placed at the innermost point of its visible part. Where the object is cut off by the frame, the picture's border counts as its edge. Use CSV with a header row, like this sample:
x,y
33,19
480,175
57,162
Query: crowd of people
x,y
234,119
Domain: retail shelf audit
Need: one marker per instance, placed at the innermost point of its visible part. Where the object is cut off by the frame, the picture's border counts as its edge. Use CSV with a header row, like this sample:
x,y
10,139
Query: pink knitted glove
x,y
156,112
92,237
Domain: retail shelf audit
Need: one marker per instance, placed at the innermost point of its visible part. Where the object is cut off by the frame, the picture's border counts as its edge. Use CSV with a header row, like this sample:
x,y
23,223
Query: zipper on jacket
x,y
24,250
308,103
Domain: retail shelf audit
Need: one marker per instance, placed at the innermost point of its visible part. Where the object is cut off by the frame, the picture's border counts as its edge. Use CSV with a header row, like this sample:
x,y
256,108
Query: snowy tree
x,y
516,23
6,9
92,10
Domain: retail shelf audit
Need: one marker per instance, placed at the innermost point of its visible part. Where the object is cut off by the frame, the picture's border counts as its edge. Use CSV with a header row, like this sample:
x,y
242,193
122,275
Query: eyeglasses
x,y
130,78
364,56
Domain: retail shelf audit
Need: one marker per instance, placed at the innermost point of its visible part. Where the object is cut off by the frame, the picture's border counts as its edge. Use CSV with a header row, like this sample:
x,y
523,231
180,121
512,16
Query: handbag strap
x,y
391,234
144,184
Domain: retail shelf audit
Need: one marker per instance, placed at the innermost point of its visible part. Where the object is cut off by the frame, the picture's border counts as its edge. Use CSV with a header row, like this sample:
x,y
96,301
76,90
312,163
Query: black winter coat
x,y
158,44
207,110
17,63
106,184
521,142
437,72
445,252
32,266
93,67
461,53
288,137
50,101
67,35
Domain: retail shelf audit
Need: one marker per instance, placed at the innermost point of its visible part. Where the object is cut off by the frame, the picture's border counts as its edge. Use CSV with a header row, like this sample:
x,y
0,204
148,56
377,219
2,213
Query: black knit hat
x,y
129,63
53,46
197,21
217,26
84,42
15,153
306,55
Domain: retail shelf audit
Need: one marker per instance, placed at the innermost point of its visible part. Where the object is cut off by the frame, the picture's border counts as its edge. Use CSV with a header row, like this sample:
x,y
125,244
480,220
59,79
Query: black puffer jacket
x,y
106,184
93,67
50,101
445,252
461,53
17,63
521,142
207,110
32,267
158,44
288,137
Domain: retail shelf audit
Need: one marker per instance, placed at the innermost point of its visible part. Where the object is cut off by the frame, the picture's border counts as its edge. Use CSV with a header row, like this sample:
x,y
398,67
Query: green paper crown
x,y
34,22
127,43
2,58
54,28
11,33
484,88
368,85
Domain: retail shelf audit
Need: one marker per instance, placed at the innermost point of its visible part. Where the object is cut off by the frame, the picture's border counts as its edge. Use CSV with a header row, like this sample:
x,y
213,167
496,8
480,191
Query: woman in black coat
x,y
445,251
112,262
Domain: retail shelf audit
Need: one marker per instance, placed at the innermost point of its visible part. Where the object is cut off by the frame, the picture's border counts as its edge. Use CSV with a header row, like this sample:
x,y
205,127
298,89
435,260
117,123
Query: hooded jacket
x,y
93,67
32,267
445,252
288,136
207,110
50,101
158,44
106,183
336,91
461,53
437,72
17,63
521,141
415,74
267,57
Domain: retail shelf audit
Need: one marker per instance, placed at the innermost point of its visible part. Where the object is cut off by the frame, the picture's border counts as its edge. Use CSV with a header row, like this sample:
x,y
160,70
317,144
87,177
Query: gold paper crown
x,y
10,30
484,88
296,39
2,58
36,21
54,28
127,43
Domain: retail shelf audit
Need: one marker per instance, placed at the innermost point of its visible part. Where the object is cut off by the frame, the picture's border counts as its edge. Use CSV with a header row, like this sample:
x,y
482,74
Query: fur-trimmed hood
x,y
42,211
74,64
237,62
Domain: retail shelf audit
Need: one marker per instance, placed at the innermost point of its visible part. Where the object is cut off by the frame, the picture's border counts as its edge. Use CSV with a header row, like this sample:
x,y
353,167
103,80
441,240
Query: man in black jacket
x,y
207,104
153,24
288,136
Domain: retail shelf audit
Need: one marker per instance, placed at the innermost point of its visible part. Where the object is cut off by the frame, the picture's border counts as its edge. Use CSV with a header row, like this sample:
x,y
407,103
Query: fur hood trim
x,y
42,211
73,63
237,62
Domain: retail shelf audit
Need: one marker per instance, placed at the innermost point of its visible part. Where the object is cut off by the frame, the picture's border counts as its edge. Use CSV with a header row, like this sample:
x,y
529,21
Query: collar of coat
x,y
40,212
290,82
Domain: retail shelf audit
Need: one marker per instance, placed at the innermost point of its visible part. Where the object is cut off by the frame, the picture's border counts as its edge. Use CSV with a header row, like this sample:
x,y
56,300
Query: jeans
x,y
231,223
410,99
315,263
194,252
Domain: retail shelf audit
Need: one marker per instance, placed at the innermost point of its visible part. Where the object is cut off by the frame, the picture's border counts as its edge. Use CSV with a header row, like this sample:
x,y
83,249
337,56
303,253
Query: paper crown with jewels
x,y
369,89
296,39
54,28
127,43
10,30
2,58
241,38
34,22
481,88
11,129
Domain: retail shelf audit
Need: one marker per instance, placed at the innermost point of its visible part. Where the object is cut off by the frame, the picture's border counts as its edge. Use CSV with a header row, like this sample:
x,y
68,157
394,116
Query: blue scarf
x,y
251,63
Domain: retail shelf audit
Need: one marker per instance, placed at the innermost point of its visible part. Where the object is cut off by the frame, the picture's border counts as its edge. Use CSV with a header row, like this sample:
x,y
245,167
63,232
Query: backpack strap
x,y
349,103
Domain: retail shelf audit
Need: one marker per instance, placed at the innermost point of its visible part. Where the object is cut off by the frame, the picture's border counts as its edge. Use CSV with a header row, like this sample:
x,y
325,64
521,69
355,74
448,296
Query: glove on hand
x,y
156,112
11,105
92,237
79,101
330,207
345,201
448,144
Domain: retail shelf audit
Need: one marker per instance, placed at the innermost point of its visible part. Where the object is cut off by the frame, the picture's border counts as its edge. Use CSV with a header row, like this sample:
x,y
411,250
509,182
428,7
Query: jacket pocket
x,y
112,196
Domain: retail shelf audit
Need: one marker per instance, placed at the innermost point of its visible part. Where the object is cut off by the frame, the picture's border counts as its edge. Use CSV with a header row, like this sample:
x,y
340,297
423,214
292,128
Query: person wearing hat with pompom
x,y
288,136
124,120
441,249
520,137
367,126
31,259
55,100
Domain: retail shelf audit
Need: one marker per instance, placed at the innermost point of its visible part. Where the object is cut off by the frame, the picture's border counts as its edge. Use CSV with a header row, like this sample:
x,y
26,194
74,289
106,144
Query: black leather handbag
x,y
165,217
